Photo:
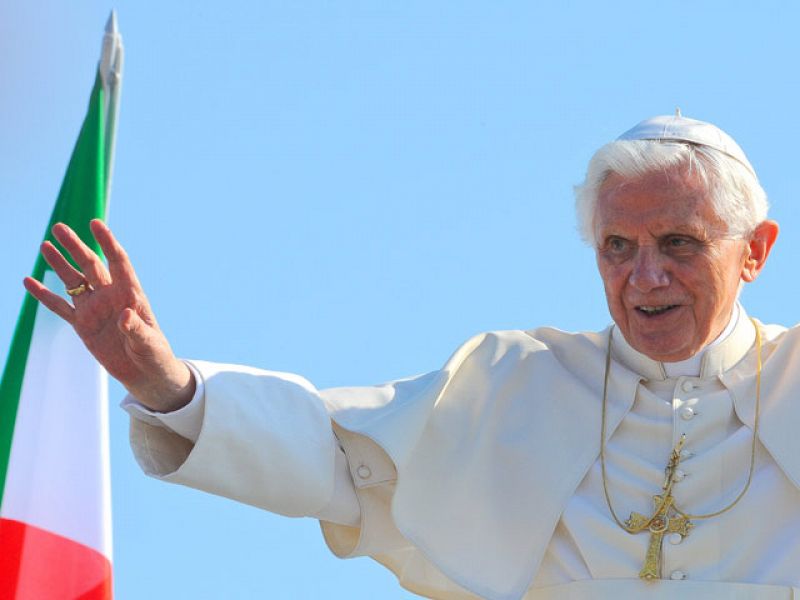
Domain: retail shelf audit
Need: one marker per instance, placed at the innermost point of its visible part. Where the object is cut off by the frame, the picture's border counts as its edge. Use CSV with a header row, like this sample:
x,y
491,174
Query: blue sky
x,y
349,190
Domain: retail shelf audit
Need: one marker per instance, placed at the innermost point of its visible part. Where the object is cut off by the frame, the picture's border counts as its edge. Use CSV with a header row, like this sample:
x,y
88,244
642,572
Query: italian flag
x,y
55,497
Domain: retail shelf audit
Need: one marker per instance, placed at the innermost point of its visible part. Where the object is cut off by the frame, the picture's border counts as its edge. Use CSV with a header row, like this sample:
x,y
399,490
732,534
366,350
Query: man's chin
x,y
661,346
662,337
663,350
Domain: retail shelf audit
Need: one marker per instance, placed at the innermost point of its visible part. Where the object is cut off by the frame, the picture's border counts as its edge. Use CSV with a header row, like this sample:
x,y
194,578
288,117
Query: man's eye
x,y
676,242
617,245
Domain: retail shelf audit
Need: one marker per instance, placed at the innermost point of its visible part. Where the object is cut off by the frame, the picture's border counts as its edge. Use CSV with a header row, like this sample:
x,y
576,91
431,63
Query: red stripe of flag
x,y
35,563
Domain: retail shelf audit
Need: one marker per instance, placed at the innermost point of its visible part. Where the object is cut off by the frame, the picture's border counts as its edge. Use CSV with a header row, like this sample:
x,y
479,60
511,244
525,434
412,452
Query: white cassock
x,y
482,479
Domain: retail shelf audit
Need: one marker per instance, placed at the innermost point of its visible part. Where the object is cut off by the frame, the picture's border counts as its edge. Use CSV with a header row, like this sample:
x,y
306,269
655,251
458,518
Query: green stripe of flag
x,y
82,197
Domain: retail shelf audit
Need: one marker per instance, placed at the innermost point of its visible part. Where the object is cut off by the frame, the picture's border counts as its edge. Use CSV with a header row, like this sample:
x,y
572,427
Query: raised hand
x,y
112,316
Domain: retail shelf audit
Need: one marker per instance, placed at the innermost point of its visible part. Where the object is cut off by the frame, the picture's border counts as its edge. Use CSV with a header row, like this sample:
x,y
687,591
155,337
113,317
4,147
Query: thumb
x,y
135,329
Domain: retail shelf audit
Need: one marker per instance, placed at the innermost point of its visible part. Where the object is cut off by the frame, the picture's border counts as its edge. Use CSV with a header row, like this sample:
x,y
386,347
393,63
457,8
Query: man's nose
x,y
649,270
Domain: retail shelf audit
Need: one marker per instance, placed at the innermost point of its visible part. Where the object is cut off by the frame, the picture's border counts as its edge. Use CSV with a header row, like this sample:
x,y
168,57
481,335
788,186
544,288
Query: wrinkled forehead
x,y
660,201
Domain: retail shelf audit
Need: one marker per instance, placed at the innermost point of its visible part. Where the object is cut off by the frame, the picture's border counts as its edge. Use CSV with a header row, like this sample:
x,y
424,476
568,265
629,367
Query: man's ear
x,y
758,249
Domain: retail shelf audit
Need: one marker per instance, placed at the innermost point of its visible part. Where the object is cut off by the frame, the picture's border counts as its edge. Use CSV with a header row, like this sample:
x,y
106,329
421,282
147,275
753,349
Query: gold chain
x,y
675,457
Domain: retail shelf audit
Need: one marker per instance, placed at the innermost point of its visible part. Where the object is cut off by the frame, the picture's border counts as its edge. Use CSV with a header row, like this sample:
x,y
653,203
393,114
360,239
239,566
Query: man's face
x,y
671,277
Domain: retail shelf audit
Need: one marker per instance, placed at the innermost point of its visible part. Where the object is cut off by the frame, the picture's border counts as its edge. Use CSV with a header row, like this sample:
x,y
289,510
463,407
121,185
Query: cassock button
x,y
678,475
687,413
687,386
677,575
364,472
675,538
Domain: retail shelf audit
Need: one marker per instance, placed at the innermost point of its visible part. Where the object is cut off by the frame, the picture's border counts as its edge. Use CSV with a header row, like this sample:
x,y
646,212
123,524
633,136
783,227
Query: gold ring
x,y
78,289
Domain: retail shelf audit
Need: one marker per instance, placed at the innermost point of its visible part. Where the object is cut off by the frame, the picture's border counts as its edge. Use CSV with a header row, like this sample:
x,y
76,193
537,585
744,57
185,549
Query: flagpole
x,y
111,64
110,68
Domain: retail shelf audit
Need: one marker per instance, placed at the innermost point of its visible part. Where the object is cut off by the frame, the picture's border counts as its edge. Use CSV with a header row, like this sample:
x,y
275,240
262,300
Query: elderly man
x,y
657,458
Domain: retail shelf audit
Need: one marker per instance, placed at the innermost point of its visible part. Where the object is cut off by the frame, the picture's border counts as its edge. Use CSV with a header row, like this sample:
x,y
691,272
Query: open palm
x,y
112,316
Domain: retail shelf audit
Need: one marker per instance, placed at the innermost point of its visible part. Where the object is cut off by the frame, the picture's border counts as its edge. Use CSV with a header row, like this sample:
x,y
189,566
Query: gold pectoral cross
x,y
658,525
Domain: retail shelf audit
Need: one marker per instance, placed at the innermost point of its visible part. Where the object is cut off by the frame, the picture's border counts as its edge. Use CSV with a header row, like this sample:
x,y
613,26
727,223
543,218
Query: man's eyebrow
x,y
698,233
692,234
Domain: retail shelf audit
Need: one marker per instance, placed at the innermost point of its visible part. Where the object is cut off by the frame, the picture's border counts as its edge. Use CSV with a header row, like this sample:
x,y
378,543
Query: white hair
x,y
737,197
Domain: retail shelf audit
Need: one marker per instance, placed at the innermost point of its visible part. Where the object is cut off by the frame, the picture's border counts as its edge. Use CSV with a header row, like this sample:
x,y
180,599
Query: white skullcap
x,y
680,129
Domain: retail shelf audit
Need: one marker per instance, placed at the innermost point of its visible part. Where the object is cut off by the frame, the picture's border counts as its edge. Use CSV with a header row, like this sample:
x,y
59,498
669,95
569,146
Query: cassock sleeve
x,y
342,508
265,440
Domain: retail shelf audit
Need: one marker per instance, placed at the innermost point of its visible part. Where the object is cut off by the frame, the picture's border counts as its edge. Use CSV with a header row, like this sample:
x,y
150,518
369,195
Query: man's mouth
x,y
653,310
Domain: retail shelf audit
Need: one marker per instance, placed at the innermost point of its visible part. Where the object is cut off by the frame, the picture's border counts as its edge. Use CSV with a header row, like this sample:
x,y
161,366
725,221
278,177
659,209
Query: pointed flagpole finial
x,y
110,59
111,24
678,112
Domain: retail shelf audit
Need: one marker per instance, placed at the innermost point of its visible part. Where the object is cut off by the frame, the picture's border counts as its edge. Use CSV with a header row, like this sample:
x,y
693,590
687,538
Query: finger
x,y
93,268
52,301
63,268
118,263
